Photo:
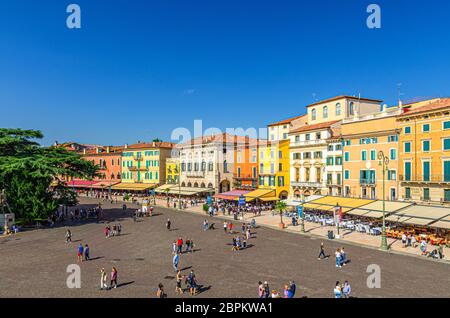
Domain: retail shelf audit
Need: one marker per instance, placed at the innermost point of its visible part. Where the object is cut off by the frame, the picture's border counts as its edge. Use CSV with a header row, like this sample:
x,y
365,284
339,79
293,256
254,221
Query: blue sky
x,y
138,69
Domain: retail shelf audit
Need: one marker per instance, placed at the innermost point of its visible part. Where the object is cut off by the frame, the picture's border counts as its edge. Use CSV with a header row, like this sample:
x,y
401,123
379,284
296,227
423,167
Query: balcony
x,y
332,183
195,174
245,177
431,178
307,184
137,169
368,182
138,158
306,143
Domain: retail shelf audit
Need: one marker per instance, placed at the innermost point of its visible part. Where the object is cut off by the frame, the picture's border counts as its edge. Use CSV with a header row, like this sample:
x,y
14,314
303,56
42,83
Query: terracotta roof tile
x,y
286,121
314,127
439,104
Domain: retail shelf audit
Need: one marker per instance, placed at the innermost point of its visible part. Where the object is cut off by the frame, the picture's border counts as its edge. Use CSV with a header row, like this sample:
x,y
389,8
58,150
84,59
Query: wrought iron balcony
x,y
368,182
307,184
428,178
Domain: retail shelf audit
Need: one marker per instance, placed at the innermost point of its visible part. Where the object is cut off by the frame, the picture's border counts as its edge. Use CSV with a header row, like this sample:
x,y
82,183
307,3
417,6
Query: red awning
x,y
80,183
231,195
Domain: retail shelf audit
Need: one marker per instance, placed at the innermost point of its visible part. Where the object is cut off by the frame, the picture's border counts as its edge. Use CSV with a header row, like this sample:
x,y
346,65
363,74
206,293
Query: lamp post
x,y
303,214
383,162
337,220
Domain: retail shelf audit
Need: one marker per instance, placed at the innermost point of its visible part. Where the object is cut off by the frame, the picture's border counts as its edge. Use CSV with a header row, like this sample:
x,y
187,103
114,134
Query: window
x,y
393,138
425,145
346,174
280,167
426,194
338,109
373,155
407,171
285,136
313,114
306,155
261,180
363,155
407,130
339,161
210,166
297,138
392,175
426,128
330,161
447,195
307,137
338,147
325,111
446,125
280,154
426,170
239,172
446,143
281,181
348,142
407,147
393,154
447,171
351,108
408,193
296,156
346,156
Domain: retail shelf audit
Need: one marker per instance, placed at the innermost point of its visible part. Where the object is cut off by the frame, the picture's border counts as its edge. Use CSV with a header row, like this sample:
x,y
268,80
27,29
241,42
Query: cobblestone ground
x,y
33,264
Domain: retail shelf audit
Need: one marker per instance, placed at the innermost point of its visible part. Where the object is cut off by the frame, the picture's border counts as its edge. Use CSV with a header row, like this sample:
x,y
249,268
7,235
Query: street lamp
x,y
383,162
337,220
303,214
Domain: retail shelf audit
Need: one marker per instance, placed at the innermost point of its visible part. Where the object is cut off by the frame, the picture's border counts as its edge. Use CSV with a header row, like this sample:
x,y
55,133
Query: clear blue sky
x,y
138,69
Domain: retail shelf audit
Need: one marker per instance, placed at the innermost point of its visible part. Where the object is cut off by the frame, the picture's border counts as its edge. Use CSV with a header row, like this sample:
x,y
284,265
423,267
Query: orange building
x,y
246,164
109,159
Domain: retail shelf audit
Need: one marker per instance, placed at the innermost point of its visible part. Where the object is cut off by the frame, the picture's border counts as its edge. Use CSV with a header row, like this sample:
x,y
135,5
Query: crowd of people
x,y
265,292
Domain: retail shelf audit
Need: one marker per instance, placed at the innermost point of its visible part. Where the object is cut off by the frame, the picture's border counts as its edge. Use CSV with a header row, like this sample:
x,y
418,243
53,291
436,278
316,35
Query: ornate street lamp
x,y
303,214
338,219
383,162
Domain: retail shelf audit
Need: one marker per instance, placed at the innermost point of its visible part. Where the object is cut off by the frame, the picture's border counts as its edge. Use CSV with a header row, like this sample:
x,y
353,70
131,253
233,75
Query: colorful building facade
x,y
274,171
172,170
424,151
246,164
145,163
364,138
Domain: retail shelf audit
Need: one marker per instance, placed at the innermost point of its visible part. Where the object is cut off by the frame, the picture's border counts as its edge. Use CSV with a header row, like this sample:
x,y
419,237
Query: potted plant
x,y
280,207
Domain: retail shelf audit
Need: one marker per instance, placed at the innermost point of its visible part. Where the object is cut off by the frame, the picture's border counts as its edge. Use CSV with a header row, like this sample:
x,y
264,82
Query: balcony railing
x,y
306,184
432,178
134,168
309,143
195,174
245,177
367,182
138,158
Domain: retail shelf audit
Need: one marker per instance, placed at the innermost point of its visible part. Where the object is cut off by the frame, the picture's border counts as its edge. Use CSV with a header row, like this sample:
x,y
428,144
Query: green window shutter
x,y
447,144
446,124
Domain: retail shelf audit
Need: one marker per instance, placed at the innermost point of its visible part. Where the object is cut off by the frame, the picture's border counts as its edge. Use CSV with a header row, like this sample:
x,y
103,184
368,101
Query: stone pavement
x,y
34,263
314,229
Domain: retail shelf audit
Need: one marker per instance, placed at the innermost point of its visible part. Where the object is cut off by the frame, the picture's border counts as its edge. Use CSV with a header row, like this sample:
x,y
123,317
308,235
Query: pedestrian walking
x,y
292,288
174,247
68,236
86,253
175,262
168,224
225,226
179,278
346,289
266,290
337,290
260,290
322,252
103,279
179,245
160,292
338,258
119,229
80,253
192,283
113,278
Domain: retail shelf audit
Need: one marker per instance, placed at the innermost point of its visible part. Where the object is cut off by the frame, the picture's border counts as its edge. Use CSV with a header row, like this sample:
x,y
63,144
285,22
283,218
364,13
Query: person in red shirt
x,y
179,245
230,227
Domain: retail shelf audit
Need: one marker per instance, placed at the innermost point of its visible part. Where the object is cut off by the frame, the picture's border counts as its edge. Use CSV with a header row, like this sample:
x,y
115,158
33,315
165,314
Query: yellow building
x,y
364,138
144,165
274,167
424,151
172,170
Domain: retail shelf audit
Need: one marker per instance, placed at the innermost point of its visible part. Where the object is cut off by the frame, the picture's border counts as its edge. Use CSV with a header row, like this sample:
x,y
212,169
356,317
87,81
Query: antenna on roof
x,y
399,94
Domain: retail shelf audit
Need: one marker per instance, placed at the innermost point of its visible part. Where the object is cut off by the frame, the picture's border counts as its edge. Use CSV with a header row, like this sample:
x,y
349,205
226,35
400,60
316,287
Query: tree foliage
x,y
32,176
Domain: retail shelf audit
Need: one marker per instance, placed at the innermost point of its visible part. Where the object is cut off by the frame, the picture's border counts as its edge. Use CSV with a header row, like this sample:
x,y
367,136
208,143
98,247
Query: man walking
x,y
86,253
175,261
322,252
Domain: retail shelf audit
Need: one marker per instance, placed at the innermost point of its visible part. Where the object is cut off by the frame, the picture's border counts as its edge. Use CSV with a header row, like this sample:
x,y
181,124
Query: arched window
x,y
338,109
325,111
210,185
203,166
118,175
196,185
202,185
225,166
210,166
183,184
313,114
189,184
351,110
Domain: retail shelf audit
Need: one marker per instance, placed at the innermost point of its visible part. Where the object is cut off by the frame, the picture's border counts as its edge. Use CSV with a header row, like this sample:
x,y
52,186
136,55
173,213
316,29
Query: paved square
x,y
33,264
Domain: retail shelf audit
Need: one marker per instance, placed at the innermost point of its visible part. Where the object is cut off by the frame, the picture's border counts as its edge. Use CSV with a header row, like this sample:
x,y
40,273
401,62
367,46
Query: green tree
x,y
156,140
32,176
280,207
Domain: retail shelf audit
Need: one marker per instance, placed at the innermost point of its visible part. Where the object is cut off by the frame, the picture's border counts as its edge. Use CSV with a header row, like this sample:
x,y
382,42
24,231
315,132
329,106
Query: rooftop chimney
x,y
125,146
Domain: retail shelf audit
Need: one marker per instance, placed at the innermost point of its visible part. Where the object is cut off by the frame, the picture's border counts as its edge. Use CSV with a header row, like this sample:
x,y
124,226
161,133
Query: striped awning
x,y
259,194
165,187
133,186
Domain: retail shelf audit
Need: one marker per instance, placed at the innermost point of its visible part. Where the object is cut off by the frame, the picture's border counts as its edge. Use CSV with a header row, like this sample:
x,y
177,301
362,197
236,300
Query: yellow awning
x,y
329,202
269,199
133,186
259,194
164,187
